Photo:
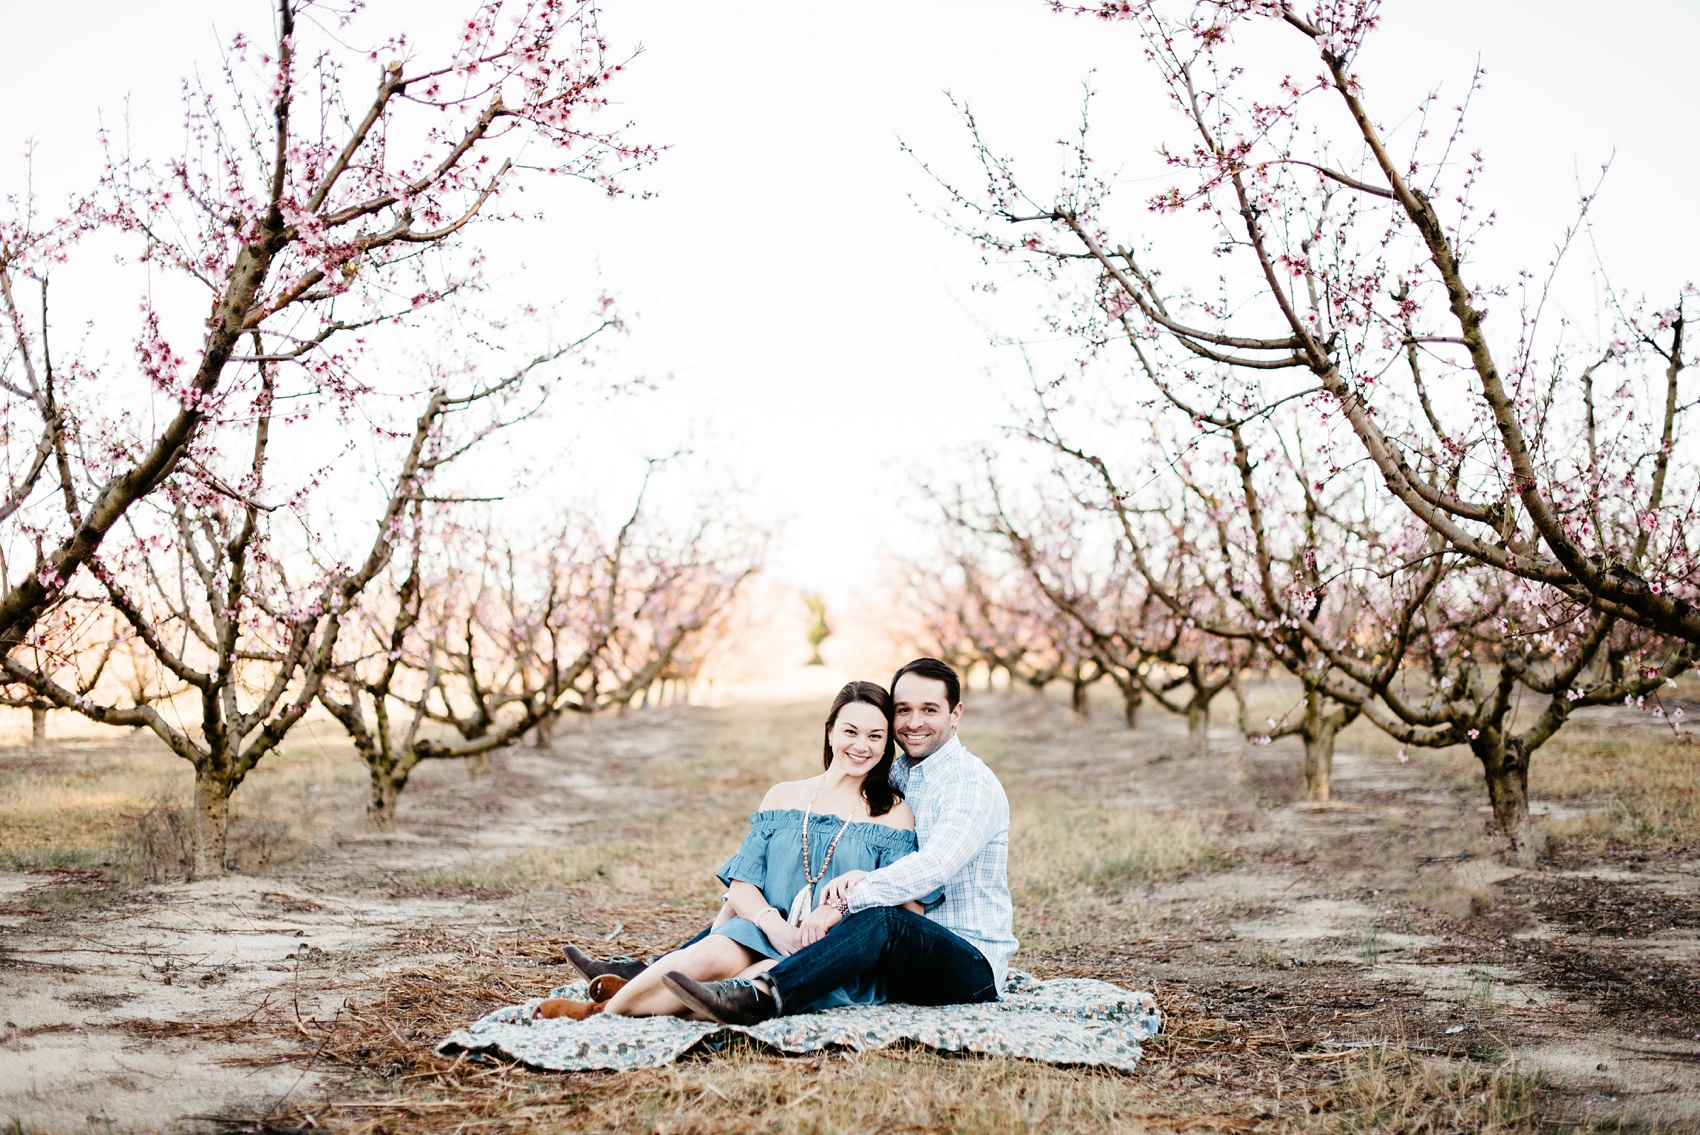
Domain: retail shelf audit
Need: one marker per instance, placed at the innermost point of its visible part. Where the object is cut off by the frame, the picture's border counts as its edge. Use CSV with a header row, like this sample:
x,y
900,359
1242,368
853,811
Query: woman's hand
x,y
782,934
817,922
842,886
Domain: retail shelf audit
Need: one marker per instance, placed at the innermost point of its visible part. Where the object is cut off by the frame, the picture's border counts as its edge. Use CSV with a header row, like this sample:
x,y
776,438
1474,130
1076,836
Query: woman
x,y
806,833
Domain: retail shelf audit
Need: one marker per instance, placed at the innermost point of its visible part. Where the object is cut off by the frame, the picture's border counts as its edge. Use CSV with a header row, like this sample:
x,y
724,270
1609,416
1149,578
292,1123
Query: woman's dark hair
x,y
877,788
938,672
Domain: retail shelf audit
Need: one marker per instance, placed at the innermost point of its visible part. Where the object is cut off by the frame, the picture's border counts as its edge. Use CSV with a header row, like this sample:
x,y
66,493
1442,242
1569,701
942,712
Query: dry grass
x,y
1058,848
1648,788
1078,869
1391,1091
121,804
70,813
682,815
624,870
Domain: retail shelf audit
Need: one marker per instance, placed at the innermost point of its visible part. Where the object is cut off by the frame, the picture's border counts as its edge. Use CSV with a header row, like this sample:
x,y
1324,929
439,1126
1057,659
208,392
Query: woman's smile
x,y
858,739
860,758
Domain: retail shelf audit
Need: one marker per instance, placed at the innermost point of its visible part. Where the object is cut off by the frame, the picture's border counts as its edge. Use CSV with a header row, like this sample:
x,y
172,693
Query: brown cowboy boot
x,y
627,968
606,986
573,1010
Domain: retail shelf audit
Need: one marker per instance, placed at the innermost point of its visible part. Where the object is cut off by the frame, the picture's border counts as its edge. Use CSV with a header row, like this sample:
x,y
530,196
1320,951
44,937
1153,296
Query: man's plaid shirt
x,y
962,826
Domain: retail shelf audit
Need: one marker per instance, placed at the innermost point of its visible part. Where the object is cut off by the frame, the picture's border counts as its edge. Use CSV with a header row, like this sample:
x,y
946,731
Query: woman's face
x,y
858,739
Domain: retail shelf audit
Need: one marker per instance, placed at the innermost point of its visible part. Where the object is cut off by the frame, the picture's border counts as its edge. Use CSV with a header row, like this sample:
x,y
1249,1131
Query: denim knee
x,y
894,920
876,914
878,920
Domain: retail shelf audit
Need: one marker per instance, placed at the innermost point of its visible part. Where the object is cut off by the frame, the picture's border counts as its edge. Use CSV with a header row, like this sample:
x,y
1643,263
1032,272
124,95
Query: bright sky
x,y
822,336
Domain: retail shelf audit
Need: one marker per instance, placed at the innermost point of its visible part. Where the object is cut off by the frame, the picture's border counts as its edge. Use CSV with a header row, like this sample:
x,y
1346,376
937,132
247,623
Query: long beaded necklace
x,y
805,900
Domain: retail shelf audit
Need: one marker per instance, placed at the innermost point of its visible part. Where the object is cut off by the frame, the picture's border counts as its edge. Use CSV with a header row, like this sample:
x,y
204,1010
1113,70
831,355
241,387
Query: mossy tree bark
x,y
212,823
1321,728
1505,766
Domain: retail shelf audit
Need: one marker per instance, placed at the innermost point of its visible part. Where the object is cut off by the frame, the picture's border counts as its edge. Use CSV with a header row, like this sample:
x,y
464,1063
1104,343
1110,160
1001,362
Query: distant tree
x,y
479,644
819,630
1146,646
981,608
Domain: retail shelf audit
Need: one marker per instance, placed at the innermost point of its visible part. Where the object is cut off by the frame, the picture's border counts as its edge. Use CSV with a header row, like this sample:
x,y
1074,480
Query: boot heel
x,y
606,986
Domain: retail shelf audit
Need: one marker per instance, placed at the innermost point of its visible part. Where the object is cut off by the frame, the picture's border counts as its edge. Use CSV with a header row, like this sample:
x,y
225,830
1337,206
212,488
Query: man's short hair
x,y
936,670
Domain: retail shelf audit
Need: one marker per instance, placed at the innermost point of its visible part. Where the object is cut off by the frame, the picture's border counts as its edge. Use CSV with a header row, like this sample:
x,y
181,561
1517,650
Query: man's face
x,y
925,719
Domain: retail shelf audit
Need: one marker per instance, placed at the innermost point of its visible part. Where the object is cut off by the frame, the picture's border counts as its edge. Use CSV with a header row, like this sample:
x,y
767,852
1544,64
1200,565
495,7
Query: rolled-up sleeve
x,y
967,821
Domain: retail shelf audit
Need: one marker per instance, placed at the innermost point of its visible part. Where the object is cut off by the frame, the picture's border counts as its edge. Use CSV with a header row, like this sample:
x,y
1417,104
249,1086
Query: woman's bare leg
x,y
714,958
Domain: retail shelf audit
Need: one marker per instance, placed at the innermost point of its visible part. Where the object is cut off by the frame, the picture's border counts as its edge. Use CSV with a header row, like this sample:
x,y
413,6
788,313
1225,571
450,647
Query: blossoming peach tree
x,y
325,197
1532,509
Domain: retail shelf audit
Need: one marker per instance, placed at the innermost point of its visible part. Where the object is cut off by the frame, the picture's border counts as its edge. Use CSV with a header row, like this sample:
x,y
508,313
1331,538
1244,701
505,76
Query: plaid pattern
x,y
962,823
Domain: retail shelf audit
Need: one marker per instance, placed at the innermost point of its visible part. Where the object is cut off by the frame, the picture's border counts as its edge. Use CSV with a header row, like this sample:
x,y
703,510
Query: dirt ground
x,y
1314,962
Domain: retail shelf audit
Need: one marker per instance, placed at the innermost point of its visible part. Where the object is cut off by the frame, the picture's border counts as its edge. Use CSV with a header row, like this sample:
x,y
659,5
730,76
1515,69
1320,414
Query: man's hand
x,y
817,922
842,886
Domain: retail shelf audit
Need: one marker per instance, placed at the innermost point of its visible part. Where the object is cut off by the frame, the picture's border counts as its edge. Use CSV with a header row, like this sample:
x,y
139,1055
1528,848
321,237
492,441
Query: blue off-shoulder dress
x,y
771,859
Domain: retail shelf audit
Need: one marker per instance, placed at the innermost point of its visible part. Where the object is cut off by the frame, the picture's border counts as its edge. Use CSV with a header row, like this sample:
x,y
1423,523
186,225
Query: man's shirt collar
x,y
937,758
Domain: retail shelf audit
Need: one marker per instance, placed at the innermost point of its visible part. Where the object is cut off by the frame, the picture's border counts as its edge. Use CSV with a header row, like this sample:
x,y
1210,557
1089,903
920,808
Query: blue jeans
x,y
920,962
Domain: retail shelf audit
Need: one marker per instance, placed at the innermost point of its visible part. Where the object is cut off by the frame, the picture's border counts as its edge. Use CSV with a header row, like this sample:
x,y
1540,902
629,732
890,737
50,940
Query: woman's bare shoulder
x,y
899,817
789,793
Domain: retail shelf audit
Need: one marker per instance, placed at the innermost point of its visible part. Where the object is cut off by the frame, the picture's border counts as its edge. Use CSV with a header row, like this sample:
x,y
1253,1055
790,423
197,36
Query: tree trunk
x,y
1320,730
1319,762
1508,789
38,727
380,809
1132,701
1077,700
212,819
543,733
1198,725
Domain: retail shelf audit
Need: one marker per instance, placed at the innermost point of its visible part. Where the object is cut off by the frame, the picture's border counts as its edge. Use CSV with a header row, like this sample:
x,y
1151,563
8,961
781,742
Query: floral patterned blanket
x,y
1064,1021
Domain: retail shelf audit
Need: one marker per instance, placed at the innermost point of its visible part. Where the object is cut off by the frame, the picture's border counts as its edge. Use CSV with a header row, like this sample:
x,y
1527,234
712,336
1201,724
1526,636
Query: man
x,y
959,950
